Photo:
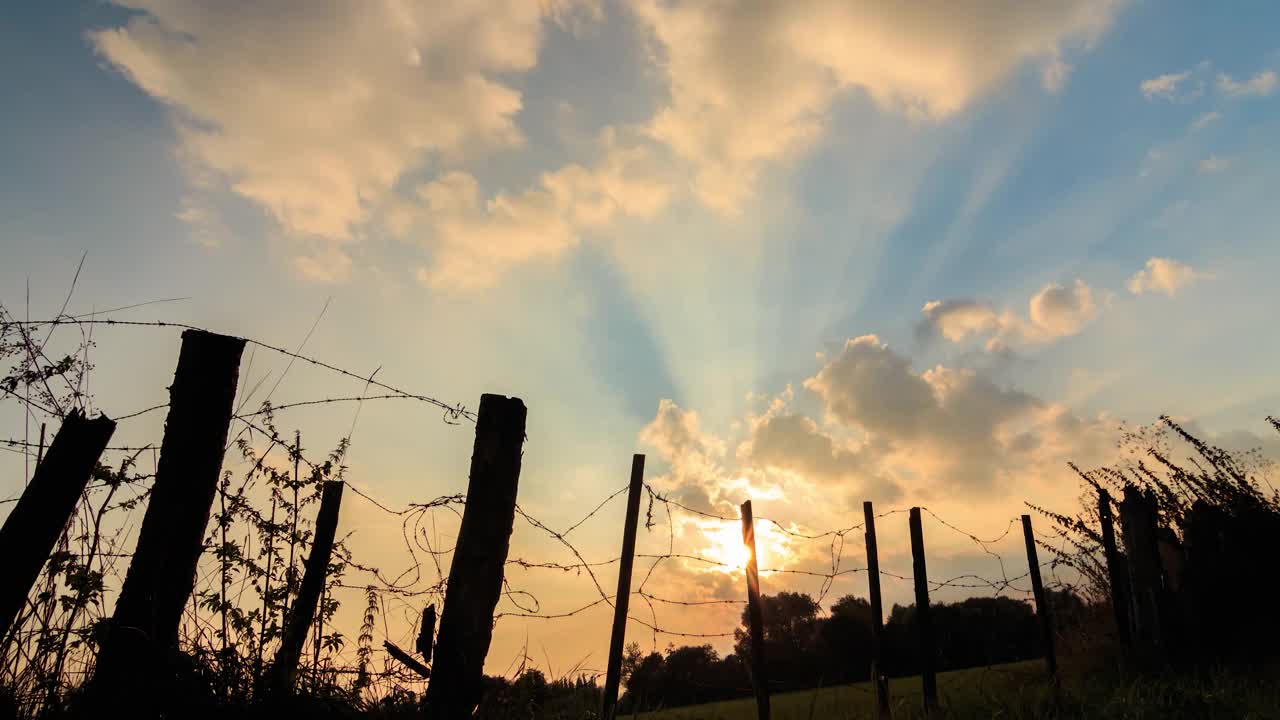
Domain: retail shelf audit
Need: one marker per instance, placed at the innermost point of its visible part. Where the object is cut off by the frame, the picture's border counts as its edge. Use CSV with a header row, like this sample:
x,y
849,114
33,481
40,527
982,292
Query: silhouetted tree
x,y
844,640
790,639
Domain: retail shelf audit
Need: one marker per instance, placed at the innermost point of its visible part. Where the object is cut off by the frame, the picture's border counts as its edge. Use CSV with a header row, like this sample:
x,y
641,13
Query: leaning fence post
x,y
144,628
879,681
285,666
759,675
613,675
479,557
1117,574
1042,601
36,521
924,622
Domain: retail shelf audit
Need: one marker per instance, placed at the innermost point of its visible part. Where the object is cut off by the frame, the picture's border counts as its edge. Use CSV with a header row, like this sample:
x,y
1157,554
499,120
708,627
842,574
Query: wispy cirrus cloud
x,y
1260,85
1166,87
1205,120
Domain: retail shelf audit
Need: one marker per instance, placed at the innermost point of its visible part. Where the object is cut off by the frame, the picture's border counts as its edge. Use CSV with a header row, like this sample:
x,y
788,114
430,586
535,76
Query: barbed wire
x,y
452,411
416,581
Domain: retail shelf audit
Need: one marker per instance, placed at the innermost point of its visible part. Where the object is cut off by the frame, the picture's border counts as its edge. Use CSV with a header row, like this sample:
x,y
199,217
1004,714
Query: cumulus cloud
x,y
888,432
675,434
873,387
316,111
786,441
1055,311
314,114
945,427
1058,311
1163,275
475,241
751,82
956,320
1261,84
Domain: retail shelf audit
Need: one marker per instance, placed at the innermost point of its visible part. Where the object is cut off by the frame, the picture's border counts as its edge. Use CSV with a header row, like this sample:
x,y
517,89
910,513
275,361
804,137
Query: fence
x,y
141,640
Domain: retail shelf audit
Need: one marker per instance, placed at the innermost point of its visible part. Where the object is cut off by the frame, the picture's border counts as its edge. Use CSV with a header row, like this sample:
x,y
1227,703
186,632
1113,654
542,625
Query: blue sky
x,y
602,205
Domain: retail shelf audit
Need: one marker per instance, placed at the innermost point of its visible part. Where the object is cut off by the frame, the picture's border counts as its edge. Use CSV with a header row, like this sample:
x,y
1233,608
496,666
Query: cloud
x,y
1163,275
1214,164
952,429
475,241
786,441
1205,119
1054,312
1261,84
675,434
888,432
873,387
1163,86
1053,77
204,223
751,82
327,264
1058,311
316,111
956,320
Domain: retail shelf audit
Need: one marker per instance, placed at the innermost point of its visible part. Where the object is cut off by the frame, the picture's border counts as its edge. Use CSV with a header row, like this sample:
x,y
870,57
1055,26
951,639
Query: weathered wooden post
x,y
475,575
1140,522
879,681
46,505
924,621
285,666
426,633
1042,602
144,629
759,672
1117,573
621,601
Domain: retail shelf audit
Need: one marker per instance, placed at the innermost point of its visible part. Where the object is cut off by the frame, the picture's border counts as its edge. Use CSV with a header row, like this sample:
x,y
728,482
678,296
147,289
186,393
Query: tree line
x,y
805,649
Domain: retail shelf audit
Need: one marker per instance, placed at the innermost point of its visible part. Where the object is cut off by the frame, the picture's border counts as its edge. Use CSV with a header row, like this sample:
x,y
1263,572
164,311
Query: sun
x,y
726,547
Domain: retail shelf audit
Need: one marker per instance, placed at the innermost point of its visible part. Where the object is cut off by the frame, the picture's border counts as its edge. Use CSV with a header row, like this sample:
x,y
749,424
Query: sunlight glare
x,y
726,547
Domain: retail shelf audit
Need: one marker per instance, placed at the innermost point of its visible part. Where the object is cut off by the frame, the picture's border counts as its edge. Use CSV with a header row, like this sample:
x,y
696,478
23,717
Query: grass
x,y
1022,690
960,690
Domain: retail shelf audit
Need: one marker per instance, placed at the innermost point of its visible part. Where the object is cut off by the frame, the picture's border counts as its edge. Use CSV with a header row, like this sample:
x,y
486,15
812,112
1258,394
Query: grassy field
x,y
979,692
1022,690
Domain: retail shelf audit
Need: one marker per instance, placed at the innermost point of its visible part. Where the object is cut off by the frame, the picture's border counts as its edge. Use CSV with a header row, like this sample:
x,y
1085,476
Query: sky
x,y
806,253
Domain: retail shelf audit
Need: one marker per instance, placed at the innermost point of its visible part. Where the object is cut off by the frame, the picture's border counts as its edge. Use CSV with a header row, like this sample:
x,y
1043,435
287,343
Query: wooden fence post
x,y
1117,573
285,666
924,622
879,681
479,558
1042,601
1139,520
759,673
36,521
144,628
621,601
